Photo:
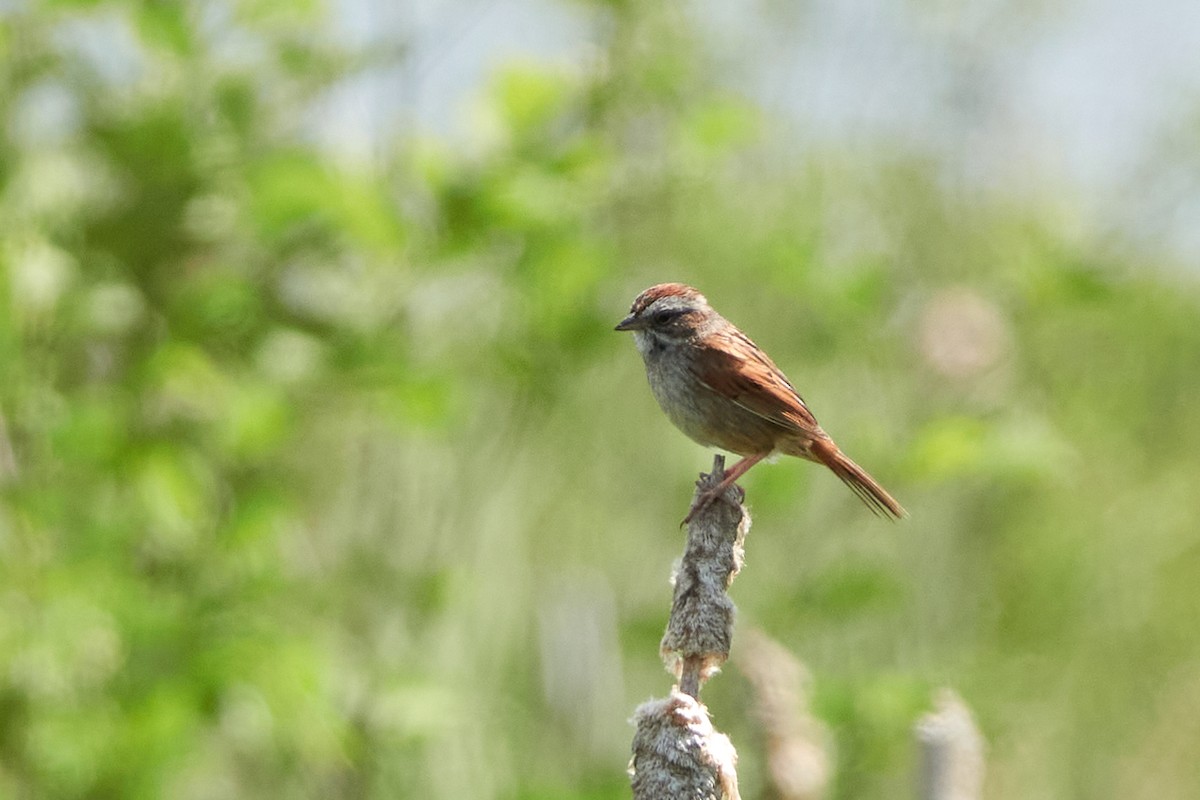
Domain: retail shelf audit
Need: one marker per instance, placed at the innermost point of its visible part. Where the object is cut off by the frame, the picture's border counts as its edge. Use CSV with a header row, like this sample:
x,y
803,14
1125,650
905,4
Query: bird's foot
x,y
704,500
727,478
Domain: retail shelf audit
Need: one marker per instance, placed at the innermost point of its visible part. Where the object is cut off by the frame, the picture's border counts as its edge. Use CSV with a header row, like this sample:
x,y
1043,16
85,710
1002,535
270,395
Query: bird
x,y
722,390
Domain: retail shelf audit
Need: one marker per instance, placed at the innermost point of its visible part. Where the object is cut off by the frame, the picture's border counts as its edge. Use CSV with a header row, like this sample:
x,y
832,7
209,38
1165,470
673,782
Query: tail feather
x,y
868,490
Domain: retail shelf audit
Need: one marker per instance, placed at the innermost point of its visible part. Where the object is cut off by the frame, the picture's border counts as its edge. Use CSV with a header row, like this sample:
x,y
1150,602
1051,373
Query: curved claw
x,y
736,471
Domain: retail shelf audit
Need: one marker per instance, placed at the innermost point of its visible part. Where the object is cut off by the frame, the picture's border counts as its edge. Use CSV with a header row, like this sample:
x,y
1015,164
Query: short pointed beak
x,y
630,323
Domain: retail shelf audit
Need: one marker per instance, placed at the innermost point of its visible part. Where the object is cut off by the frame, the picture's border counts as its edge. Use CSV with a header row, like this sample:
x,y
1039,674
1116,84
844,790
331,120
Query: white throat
x,y
644,342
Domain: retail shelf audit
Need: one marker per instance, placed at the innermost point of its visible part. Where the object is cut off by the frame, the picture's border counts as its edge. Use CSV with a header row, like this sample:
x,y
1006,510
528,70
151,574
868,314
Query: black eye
x,y
663,317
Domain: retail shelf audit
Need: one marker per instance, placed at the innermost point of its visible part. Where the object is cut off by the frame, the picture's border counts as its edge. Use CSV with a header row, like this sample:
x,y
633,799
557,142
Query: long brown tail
x,y
875,496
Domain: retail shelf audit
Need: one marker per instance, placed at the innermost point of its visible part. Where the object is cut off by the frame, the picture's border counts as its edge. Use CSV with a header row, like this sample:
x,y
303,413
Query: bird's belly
x,y
709,419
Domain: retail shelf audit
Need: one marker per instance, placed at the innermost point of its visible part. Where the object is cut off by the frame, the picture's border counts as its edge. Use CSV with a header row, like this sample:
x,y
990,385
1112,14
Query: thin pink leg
x,y
731,475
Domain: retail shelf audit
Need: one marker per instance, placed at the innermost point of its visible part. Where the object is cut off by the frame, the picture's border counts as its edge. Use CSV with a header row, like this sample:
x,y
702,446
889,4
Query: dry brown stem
x,y
676,751
700,629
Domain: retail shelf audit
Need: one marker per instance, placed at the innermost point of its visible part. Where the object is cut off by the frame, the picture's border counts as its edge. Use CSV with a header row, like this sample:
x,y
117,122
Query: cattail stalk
x,y
798,745
951,751
676,751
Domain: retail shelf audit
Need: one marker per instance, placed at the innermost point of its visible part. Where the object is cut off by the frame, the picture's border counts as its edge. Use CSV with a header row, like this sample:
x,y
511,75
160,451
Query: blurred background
x,y
322,473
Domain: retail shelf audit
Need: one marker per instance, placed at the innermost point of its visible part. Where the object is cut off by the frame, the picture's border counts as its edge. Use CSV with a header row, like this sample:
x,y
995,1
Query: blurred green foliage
x,y
331,481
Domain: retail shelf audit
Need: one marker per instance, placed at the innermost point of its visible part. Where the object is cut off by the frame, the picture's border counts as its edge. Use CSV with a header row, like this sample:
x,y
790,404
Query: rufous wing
x,y
740,371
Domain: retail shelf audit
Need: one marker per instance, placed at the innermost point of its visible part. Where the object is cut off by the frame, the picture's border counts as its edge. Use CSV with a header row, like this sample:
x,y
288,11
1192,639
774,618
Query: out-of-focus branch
x,y
676,751
952,764
798,744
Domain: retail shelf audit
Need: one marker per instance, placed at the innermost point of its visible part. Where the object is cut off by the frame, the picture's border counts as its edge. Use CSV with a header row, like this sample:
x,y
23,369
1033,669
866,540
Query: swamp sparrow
x,y
720,389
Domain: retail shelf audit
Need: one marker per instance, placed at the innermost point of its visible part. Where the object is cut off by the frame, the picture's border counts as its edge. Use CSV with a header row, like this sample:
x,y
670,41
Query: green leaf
x,y
529,97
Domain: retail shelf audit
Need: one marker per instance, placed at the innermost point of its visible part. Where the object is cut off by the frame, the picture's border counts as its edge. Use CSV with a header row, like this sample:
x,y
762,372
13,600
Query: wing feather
x,y
738,369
